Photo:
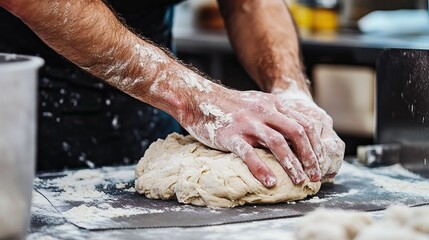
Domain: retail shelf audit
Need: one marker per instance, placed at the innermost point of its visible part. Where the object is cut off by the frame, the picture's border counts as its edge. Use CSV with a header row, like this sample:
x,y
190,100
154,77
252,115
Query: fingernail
x,y
314,175
300,177
331,175
270,181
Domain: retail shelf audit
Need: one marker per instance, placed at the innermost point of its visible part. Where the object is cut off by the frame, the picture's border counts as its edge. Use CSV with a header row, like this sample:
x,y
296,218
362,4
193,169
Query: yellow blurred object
x,y
324,19
310,18
303,16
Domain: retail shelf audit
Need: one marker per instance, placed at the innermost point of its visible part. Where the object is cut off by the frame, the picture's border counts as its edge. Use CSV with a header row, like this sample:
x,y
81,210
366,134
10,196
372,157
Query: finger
x,y
284,155
258,168
334,148
296,134
311,130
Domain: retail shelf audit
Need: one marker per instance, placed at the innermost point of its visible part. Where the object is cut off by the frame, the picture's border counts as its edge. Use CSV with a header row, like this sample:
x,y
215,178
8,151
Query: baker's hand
x,y
333,147
238,121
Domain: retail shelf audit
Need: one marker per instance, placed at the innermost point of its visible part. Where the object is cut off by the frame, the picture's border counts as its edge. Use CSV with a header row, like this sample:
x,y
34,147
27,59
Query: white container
x,y
18,82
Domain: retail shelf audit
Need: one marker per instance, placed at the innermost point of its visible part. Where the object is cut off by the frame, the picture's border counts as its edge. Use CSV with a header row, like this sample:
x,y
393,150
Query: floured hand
x,y
293,99
237,121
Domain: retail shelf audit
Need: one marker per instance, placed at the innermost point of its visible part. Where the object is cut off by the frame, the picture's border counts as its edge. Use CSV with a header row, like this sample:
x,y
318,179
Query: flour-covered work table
x,y
102,204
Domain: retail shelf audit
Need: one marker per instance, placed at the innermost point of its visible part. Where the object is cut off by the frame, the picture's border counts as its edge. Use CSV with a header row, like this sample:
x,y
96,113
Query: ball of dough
x,y
184,168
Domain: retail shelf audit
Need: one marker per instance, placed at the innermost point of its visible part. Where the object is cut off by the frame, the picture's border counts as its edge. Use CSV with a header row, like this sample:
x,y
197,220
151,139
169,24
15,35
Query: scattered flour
x,y
350,192
86,174
46,237
395,170
387,178
79,186
181,208
115,175
121,185
84,193
104,212
87,185
130,190
83,187
395,185
316,199
64,231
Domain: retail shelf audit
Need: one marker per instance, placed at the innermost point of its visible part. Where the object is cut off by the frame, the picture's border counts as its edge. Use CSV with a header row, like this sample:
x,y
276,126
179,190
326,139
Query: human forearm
x,y
263,35
88,34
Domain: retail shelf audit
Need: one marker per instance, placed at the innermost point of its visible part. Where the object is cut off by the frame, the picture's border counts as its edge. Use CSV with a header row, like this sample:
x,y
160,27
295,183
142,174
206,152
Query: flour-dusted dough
x,y
184,168
398,223
327,224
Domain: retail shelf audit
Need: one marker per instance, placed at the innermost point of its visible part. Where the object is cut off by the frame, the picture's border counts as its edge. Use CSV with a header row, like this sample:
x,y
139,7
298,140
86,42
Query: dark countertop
x,y
48,223
192,39
337,48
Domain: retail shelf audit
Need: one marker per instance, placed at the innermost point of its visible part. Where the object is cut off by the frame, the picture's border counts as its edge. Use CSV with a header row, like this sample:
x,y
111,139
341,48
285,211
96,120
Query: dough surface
x,y
184,168
398,223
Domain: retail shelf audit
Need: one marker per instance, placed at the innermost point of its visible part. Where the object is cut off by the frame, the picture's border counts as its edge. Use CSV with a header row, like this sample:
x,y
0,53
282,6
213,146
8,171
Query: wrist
x,y
289,88
179,91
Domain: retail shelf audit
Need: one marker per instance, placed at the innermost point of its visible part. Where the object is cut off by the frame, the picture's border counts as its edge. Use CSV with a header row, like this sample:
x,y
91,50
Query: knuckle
x,y
299,131
242,149
310,163
238,146
324,167
270,97
241,117
275,101
336,165
287,164
258,167
329,120
276,140
260,106
309,125
307,164
247,149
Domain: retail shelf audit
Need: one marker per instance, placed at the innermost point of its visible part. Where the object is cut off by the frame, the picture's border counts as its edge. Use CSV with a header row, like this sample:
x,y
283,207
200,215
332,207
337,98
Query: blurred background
x,y
340,42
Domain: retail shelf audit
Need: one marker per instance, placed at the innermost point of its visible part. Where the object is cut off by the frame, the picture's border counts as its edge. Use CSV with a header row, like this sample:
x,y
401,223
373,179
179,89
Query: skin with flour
x,y
89,34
